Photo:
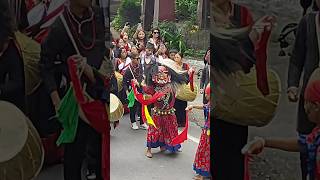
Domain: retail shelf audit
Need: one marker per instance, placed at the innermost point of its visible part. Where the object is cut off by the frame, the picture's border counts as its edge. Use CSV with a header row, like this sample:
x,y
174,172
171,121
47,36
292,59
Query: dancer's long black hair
x,y
176,78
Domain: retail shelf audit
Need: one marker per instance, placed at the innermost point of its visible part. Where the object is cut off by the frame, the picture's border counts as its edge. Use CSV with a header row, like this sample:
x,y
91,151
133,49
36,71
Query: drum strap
x,y
317,19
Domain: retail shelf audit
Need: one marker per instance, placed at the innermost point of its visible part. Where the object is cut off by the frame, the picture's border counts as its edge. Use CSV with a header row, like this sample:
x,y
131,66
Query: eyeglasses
x,y
156,32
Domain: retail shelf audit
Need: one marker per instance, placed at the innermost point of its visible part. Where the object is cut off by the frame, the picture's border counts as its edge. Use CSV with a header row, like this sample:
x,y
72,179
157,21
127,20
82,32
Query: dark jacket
x,y
57,48
12,84
304,59
205,79
127,77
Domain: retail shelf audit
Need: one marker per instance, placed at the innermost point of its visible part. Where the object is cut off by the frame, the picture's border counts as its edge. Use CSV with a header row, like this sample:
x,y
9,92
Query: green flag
x,y
68,114
131,99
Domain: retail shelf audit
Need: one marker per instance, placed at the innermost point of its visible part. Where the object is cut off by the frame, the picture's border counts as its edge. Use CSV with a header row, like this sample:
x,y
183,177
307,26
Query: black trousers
x,y
135,110
180,107
76,152
228,140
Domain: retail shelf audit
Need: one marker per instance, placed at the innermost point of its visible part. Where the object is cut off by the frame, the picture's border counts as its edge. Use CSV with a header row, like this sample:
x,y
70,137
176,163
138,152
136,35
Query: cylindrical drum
x,y
185,94
21,151
119,80
239,101
116,108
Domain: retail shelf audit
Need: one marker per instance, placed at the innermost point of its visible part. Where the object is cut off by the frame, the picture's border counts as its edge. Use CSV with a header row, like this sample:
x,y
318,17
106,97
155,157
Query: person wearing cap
x,y
307,145
134,71
148,59
201,163
172,53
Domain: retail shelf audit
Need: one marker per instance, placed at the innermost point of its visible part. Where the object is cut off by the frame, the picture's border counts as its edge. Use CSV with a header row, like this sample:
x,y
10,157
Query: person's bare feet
x,y
198,177
148,153
162,149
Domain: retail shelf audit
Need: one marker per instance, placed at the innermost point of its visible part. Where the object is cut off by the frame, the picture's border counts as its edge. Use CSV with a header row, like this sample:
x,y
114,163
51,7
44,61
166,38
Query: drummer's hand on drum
x,y
293,94
254,147
190,107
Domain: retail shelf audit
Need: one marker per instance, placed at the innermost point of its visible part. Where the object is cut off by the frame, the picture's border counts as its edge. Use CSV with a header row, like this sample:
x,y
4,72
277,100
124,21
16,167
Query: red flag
x,y
140,98
191,81
97,115
246,167
261,63
183,135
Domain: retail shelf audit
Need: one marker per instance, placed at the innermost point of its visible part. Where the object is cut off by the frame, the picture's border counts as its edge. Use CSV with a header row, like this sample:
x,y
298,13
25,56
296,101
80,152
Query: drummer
x,y
134,71
11,63
181,105
58,44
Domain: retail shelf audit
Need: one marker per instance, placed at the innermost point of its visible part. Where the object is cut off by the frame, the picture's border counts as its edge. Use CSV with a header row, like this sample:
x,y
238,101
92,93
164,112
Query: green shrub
x,y
173,36
129,11
195,53
186,9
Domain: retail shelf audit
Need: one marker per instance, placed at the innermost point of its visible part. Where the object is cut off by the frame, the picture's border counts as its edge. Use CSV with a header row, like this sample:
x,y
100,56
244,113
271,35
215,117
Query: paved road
x,y
129,162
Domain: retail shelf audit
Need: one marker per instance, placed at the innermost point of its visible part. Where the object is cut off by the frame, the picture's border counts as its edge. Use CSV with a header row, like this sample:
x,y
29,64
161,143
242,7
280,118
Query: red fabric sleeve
x,y
246,17
148,90
260,52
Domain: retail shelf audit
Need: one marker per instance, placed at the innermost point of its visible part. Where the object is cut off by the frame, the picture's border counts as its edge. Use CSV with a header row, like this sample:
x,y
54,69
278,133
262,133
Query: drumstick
x,y
71,39
69,34
132,73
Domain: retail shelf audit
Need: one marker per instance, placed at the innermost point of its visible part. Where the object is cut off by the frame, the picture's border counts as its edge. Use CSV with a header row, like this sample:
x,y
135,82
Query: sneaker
x,y
134,126
144,126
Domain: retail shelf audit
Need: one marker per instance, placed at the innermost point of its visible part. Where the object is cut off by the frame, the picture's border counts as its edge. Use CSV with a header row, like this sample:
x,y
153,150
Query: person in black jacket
x,y
12,84
205,77
90,39
134,72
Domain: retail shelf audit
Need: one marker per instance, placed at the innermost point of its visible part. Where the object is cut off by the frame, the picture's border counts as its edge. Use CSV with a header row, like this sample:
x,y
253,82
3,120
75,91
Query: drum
x,y
21,152
239,101
185,94
119,80
30,52
116,108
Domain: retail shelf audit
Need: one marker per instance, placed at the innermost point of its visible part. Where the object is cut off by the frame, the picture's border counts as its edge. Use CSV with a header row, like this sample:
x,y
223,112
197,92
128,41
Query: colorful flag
x,y
68,114
131,99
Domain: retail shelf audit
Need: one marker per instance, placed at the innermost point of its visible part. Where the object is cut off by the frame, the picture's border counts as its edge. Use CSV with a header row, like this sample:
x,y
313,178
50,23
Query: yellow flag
x,y
148,117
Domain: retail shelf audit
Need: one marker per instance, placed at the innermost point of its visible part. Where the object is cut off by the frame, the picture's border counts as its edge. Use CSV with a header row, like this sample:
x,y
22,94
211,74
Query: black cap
x,y
173,51
149,45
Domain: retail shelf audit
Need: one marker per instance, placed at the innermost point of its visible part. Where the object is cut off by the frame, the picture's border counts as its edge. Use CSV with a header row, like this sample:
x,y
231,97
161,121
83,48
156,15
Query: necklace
x,y
78,32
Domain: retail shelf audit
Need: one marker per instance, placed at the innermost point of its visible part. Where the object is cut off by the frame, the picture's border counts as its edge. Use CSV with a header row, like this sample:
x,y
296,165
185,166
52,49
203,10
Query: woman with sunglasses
x,y
155,38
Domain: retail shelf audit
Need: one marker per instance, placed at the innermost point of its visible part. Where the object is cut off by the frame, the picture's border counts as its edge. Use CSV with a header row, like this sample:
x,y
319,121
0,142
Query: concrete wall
x,y
198,40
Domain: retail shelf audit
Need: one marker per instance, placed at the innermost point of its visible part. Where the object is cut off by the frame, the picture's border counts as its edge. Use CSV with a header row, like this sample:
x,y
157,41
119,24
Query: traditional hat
x,y
172,65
